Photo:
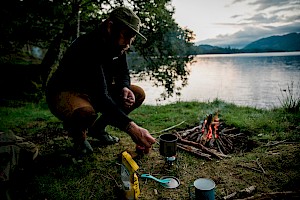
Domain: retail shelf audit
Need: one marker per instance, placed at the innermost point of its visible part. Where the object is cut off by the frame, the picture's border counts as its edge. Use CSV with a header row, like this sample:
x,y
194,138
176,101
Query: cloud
x,y
262,19
267,4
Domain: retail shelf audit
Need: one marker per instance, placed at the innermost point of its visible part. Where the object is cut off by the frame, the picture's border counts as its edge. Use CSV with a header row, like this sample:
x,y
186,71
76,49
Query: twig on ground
x,y
285,194
269,144
260,166
254,169
240,193
111,177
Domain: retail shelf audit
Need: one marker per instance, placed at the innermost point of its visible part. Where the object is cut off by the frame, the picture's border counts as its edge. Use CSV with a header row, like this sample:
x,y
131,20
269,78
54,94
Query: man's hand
x,y
128,97
140,136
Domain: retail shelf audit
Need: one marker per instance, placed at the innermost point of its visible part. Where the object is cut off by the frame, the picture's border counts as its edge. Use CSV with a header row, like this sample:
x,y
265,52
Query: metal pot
x,y
168,145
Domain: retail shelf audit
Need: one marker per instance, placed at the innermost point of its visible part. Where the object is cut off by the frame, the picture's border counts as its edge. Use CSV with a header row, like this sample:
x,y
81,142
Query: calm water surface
x,y
255,79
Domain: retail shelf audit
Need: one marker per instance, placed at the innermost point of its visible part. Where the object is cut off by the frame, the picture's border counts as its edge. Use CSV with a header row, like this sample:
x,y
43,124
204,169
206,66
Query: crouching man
x,y
91,87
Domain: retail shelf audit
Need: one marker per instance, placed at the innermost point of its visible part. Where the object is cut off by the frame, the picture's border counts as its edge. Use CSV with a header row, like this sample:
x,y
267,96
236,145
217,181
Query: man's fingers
x,y
146,150
147,144
152,140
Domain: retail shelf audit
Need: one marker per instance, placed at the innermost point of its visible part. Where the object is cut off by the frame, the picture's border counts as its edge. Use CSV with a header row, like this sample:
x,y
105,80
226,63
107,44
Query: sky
x,y
236,23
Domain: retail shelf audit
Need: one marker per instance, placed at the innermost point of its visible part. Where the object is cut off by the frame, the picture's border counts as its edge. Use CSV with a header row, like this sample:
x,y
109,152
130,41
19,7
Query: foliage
x,y
54,24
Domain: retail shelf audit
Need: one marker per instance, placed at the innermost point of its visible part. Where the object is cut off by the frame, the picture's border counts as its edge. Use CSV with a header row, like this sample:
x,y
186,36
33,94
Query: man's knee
x,y
82,118
139,94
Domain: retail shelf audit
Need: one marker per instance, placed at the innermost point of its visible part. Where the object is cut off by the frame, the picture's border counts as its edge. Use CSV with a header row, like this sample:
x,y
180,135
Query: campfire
x,y
211,138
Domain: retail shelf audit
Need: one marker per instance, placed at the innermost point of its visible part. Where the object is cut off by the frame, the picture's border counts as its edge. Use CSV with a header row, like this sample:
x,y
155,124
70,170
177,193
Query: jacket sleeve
x,y
122,78
107,106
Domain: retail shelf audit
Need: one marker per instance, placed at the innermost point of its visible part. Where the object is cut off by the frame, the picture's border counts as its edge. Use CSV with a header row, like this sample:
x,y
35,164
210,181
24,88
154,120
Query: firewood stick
x,y
217,141
226,146
191,136
193,150
220,154
235,135
198,138
228,141
203,148
186,133
229,130
170,127
220,139
178,135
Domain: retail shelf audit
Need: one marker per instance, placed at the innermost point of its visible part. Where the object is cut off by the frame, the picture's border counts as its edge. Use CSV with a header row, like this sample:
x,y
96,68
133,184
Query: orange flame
x,y
211,128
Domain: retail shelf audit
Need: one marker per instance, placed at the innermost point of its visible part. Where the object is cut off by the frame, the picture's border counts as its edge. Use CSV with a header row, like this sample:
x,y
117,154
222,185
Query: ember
x,y
210,138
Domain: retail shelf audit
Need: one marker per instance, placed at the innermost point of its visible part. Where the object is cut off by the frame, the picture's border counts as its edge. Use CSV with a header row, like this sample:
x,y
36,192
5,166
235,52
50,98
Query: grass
x,y
54,176
290,97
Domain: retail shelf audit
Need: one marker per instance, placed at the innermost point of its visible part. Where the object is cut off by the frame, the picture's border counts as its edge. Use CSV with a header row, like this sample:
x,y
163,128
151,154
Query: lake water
x,y
253,79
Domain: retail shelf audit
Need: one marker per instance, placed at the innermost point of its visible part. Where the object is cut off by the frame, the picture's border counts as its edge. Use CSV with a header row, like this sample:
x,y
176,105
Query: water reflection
x,y
244,79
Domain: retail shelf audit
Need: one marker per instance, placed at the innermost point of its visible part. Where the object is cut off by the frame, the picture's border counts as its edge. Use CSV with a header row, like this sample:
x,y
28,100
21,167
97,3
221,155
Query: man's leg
x,y
98,128
77,114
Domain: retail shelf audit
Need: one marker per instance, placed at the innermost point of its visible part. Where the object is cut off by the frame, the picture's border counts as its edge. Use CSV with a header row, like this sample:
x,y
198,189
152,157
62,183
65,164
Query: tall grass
x,y
290,97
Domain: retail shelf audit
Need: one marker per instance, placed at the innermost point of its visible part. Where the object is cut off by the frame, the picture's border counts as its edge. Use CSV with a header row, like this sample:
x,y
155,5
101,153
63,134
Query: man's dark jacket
x,y
89,67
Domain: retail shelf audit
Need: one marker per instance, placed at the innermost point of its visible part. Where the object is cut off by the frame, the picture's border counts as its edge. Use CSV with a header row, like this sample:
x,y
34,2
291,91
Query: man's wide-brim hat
x,y
129,18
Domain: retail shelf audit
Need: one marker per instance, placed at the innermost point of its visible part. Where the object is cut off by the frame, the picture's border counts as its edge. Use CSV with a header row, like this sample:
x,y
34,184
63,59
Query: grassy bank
x,y
55,176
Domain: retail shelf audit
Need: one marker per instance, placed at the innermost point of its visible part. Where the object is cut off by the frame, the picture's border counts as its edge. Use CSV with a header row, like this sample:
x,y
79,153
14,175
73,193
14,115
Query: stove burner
x,y
170,160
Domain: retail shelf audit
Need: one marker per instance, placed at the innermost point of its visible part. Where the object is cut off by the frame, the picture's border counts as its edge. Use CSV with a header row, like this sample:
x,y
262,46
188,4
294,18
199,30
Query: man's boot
x,y
81,145
77,126
97,131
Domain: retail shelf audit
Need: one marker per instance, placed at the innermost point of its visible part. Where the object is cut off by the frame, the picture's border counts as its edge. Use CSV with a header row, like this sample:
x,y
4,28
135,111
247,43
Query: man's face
x,y
123,41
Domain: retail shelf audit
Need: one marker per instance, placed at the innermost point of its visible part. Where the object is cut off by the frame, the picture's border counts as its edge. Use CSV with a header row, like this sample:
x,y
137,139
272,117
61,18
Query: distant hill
x,y
276,43
288,42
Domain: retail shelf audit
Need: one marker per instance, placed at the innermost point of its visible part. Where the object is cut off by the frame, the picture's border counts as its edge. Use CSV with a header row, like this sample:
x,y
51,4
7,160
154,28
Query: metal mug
x,y
204,189
168,145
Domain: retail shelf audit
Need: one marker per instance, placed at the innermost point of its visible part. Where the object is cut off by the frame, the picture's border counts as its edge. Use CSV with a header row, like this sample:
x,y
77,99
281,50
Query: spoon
x,y
163,181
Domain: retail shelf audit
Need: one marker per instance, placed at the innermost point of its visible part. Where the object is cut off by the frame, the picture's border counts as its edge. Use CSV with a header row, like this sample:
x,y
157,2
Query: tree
x,y
54,24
